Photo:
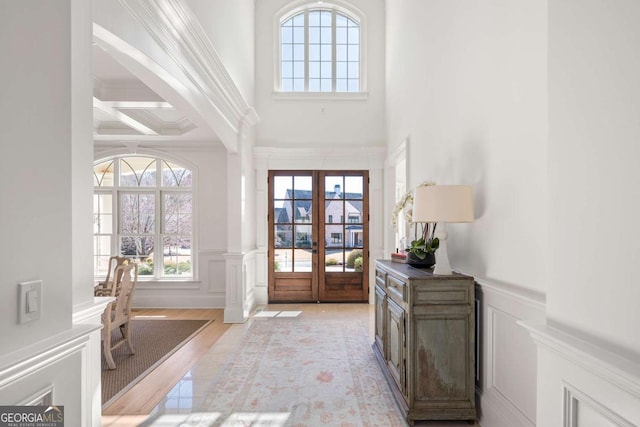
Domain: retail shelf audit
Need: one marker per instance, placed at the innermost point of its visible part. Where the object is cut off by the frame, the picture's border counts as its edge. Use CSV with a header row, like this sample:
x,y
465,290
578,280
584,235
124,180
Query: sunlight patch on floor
x,y
201,419
264,419
289,314
267,313
123,420
140,316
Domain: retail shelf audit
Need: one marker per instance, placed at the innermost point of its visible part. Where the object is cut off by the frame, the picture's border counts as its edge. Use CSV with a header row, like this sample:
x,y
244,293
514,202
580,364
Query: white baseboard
x,y
496,410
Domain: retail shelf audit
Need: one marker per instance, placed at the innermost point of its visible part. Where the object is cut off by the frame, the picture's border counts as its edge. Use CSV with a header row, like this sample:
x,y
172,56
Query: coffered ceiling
x,y
126,110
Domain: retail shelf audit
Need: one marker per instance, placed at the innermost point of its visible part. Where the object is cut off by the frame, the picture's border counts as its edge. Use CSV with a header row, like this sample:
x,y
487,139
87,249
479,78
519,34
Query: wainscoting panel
x,y
207,290
580,410
512,351
583,382
216,276
249,278
60,369
240,295
506,362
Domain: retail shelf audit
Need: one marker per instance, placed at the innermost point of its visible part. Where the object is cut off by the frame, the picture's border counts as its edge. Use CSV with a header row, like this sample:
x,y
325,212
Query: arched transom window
x,y
320,51
143,209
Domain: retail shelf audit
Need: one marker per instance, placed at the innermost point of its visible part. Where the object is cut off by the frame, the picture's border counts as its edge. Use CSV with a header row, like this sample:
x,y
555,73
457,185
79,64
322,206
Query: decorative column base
x,y
236,308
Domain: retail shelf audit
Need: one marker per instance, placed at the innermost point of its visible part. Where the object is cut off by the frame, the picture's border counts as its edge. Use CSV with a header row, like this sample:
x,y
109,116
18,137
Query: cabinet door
x,y
396,343
443,358
381,308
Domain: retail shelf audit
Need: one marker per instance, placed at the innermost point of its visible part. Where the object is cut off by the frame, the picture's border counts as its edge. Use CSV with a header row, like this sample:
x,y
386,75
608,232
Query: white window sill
x,y
166,284
320,96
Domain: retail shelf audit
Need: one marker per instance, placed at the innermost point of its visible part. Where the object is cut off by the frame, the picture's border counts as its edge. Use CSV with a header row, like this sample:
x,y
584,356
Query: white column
x,y
236,291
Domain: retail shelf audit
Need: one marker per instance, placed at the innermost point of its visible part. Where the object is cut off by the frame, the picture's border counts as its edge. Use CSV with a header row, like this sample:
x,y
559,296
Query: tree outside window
x,y
143,210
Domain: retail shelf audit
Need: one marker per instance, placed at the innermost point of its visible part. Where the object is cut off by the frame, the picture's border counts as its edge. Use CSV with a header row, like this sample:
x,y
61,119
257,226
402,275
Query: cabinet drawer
x,y
396,290
443,294
381,278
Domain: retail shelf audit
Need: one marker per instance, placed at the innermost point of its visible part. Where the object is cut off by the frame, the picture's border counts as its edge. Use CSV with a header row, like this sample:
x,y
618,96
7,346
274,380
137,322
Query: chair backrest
x,y
125,281
114,262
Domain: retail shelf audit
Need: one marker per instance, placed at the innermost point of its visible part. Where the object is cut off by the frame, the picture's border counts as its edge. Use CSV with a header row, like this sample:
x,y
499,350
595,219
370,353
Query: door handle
x,y
314,244
314,251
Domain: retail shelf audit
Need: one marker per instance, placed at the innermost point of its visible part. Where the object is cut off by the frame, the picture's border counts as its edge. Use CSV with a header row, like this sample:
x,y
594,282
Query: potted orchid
x,y
421,251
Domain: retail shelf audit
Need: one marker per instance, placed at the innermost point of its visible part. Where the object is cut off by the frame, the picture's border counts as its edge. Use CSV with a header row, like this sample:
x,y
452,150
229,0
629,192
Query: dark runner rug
x,y
154,341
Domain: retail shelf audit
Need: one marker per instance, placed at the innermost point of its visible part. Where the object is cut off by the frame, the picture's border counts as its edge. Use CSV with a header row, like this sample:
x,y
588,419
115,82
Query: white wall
x,y
594,105
230,28
473,105
589,352
295,122
35,109
82,153
45,113
466,87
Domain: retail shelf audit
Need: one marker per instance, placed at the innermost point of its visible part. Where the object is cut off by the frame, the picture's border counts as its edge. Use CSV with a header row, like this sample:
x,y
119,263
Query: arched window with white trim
x,y
143,209
320,50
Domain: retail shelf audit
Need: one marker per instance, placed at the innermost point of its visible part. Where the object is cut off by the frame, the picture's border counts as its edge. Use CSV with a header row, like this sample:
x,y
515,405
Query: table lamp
x,y
442,204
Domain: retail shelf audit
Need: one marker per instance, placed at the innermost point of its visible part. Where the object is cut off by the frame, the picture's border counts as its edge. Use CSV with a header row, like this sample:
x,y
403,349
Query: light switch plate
x,y
29,301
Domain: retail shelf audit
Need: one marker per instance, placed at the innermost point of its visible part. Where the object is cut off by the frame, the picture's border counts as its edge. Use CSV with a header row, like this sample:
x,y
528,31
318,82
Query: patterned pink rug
x,y
302,372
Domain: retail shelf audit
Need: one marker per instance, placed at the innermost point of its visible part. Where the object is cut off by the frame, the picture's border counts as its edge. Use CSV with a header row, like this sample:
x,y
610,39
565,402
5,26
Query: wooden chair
x,y
117,314
103,289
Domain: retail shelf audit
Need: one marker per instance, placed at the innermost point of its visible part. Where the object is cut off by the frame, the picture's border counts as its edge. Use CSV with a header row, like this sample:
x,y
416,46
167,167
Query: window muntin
x,y
320,52
139,202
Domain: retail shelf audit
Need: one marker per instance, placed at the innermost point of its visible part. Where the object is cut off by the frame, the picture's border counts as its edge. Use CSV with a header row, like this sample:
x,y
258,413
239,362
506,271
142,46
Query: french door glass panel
x,y
293,216
344,226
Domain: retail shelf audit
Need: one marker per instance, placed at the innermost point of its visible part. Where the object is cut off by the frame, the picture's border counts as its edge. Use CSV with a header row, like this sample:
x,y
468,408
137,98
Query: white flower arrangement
x,y
405,205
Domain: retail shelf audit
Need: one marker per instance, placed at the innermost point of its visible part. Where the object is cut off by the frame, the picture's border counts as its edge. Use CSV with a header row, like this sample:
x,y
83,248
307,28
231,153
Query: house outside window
x,y
336,237
320,50
143,209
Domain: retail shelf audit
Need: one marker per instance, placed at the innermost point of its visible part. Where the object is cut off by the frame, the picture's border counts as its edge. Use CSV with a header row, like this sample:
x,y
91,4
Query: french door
x,y
318,236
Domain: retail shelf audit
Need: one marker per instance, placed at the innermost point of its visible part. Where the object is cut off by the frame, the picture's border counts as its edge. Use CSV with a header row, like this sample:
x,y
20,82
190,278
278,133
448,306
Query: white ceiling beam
x,y
141,105
122,117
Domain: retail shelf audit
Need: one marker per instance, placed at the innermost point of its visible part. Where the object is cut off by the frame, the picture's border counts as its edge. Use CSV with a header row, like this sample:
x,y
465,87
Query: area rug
x,y
300,372
154,341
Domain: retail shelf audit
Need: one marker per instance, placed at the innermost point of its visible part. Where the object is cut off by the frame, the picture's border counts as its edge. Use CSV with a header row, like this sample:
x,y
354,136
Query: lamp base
x,y
439,270
442,267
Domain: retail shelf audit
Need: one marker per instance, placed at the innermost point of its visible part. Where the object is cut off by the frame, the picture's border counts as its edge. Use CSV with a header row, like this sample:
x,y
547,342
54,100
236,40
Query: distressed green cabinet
x,y
424,340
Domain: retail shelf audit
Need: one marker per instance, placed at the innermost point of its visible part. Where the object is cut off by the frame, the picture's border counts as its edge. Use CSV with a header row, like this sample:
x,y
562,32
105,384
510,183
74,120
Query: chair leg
x,y
126,333
106,345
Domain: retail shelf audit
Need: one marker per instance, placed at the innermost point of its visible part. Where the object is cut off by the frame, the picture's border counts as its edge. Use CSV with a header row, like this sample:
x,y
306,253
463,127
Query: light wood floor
x,y
134,406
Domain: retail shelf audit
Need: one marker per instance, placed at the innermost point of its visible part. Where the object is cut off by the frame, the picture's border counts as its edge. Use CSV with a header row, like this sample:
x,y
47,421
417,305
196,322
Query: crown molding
x,y
178,32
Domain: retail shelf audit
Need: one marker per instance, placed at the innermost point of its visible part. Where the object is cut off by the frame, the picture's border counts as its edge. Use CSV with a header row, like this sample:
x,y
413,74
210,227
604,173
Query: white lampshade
x,y
443,203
